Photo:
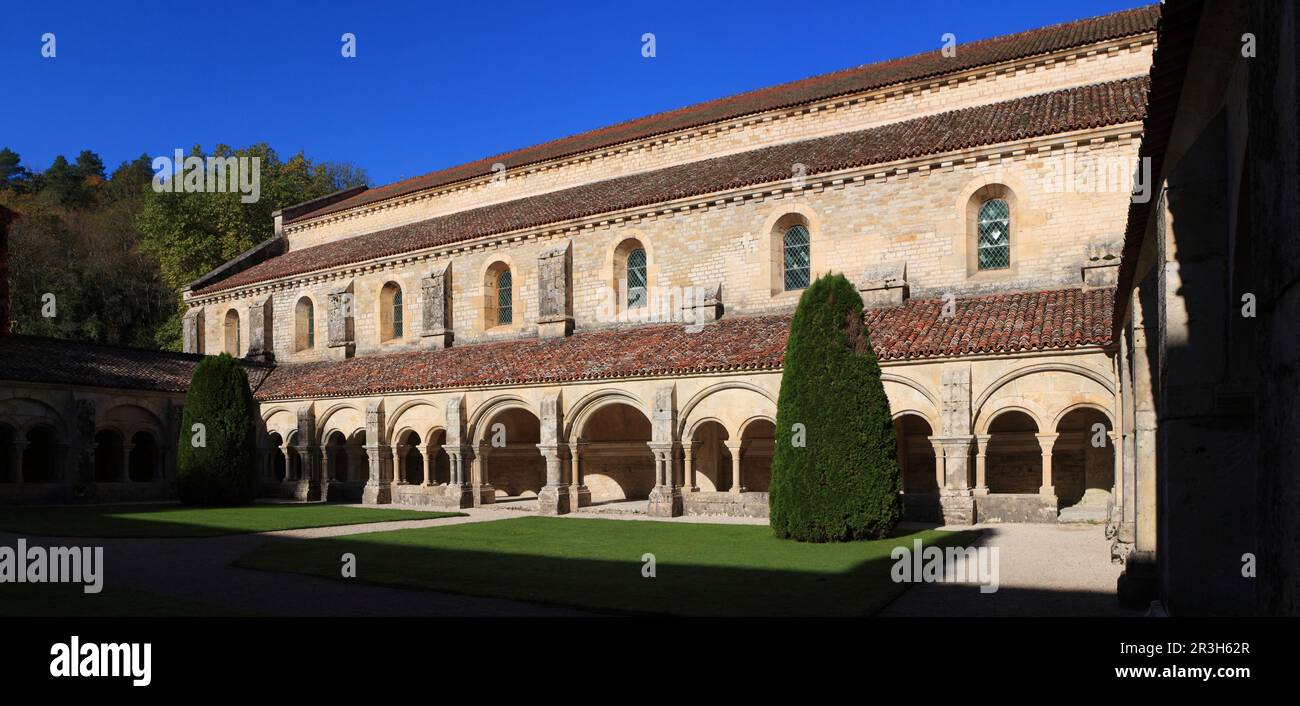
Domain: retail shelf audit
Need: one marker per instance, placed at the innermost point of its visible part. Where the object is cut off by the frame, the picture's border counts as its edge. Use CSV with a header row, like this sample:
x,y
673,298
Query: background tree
x,y
843,482
115,253
223,470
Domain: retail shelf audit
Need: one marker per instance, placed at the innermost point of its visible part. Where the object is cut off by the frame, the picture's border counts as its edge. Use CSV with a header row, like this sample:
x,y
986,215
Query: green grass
x,y
700,569
62,600
171,520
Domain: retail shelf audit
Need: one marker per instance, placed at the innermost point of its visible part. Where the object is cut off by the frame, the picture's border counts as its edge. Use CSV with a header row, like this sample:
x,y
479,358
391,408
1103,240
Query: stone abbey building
x,y
602,318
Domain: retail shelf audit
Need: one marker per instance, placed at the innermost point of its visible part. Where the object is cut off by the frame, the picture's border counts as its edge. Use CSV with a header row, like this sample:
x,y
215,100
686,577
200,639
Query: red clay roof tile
x,y
1095,105
847,81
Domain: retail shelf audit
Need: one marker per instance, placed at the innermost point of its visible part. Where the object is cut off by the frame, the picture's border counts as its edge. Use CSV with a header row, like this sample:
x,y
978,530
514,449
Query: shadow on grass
x,y
61,600
174,520
698,569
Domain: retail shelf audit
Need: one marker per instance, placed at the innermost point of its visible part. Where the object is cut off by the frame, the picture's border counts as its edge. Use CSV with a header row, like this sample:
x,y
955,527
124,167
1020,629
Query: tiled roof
x,y
1000,323
75,363
848,81
1083,107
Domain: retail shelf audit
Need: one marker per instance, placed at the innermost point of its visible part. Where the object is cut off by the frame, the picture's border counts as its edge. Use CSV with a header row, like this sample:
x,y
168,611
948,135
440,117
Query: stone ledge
x,y
749,504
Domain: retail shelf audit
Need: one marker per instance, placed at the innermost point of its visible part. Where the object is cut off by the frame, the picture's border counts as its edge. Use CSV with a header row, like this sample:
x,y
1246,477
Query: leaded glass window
x,y
397,313
798,258
636,279
994,235
310,313
505,314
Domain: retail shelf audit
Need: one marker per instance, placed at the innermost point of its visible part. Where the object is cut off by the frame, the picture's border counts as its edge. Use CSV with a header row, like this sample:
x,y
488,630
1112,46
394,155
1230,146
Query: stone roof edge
x,y
896,90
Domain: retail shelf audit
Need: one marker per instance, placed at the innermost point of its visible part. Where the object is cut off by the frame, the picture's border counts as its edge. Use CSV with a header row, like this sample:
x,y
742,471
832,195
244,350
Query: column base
x,y
665,501
460,496
1047,490
579,496
305,490
958,509
377,494
553,500
486,494
981,491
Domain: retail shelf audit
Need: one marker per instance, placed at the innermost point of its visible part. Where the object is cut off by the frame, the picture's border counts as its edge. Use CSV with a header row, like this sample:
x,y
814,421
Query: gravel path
x,y
1043,570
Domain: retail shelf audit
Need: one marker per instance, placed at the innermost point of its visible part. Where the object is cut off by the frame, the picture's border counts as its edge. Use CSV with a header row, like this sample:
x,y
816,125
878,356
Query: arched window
x,y
305,325
505,300
994,235
233,344
798,257
390,312
636,279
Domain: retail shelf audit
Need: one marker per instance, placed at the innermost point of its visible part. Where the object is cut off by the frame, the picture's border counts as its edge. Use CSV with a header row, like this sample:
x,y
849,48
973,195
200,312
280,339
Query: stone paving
x,y
1044,570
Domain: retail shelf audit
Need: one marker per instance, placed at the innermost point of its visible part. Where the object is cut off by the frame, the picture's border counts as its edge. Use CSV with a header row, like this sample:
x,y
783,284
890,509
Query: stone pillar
x,y
288,467
579,492
688,470
341,323
554,498
192,327
1116,466
20,445
399,469
428,456
379,487
126,462
480,475
261,330
981,478
939,480
956,498
1046,442
737,487
311,472
666,497
460,493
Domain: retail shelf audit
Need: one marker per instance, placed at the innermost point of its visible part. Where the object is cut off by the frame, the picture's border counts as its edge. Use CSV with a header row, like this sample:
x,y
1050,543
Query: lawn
x,y
62,600
172,520
700,569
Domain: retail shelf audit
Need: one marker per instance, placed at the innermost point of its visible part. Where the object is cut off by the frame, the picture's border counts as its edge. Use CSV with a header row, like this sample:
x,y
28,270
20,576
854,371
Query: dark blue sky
x,y
433,84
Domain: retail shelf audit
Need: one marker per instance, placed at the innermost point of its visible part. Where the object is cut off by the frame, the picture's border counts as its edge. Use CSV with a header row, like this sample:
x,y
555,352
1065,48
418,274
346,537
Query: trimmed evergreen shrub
x,y
843,483
224,470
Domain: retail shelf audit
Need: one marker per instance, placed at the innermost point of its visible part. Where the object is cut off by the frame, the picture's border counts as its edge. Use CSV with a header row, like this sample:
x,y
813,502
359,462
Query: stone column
x,y
1046,442
379,489
484,492
956,497
20,445
126,462
939,480
579,492
688,475
666,498
736,486
428,456
554,498
981,447
399,468
460,493
288,468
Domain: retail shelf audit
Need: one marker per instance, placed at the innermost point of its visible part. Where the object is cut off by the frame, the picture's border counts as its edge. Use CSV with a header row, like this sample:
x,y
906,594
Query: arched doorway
x,y
509,459
347,466
1013,459
757,444
441,461
916,460
710,458
617,461
292,461
144,458
8,456
276,469
42,457
1083,465
108,456
409,460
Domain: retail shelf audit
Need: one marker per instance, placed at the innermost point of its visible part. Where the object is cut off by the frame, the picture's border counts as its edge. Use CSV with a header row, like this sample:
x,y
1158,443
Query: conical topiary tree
x,y
218,464
835,476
